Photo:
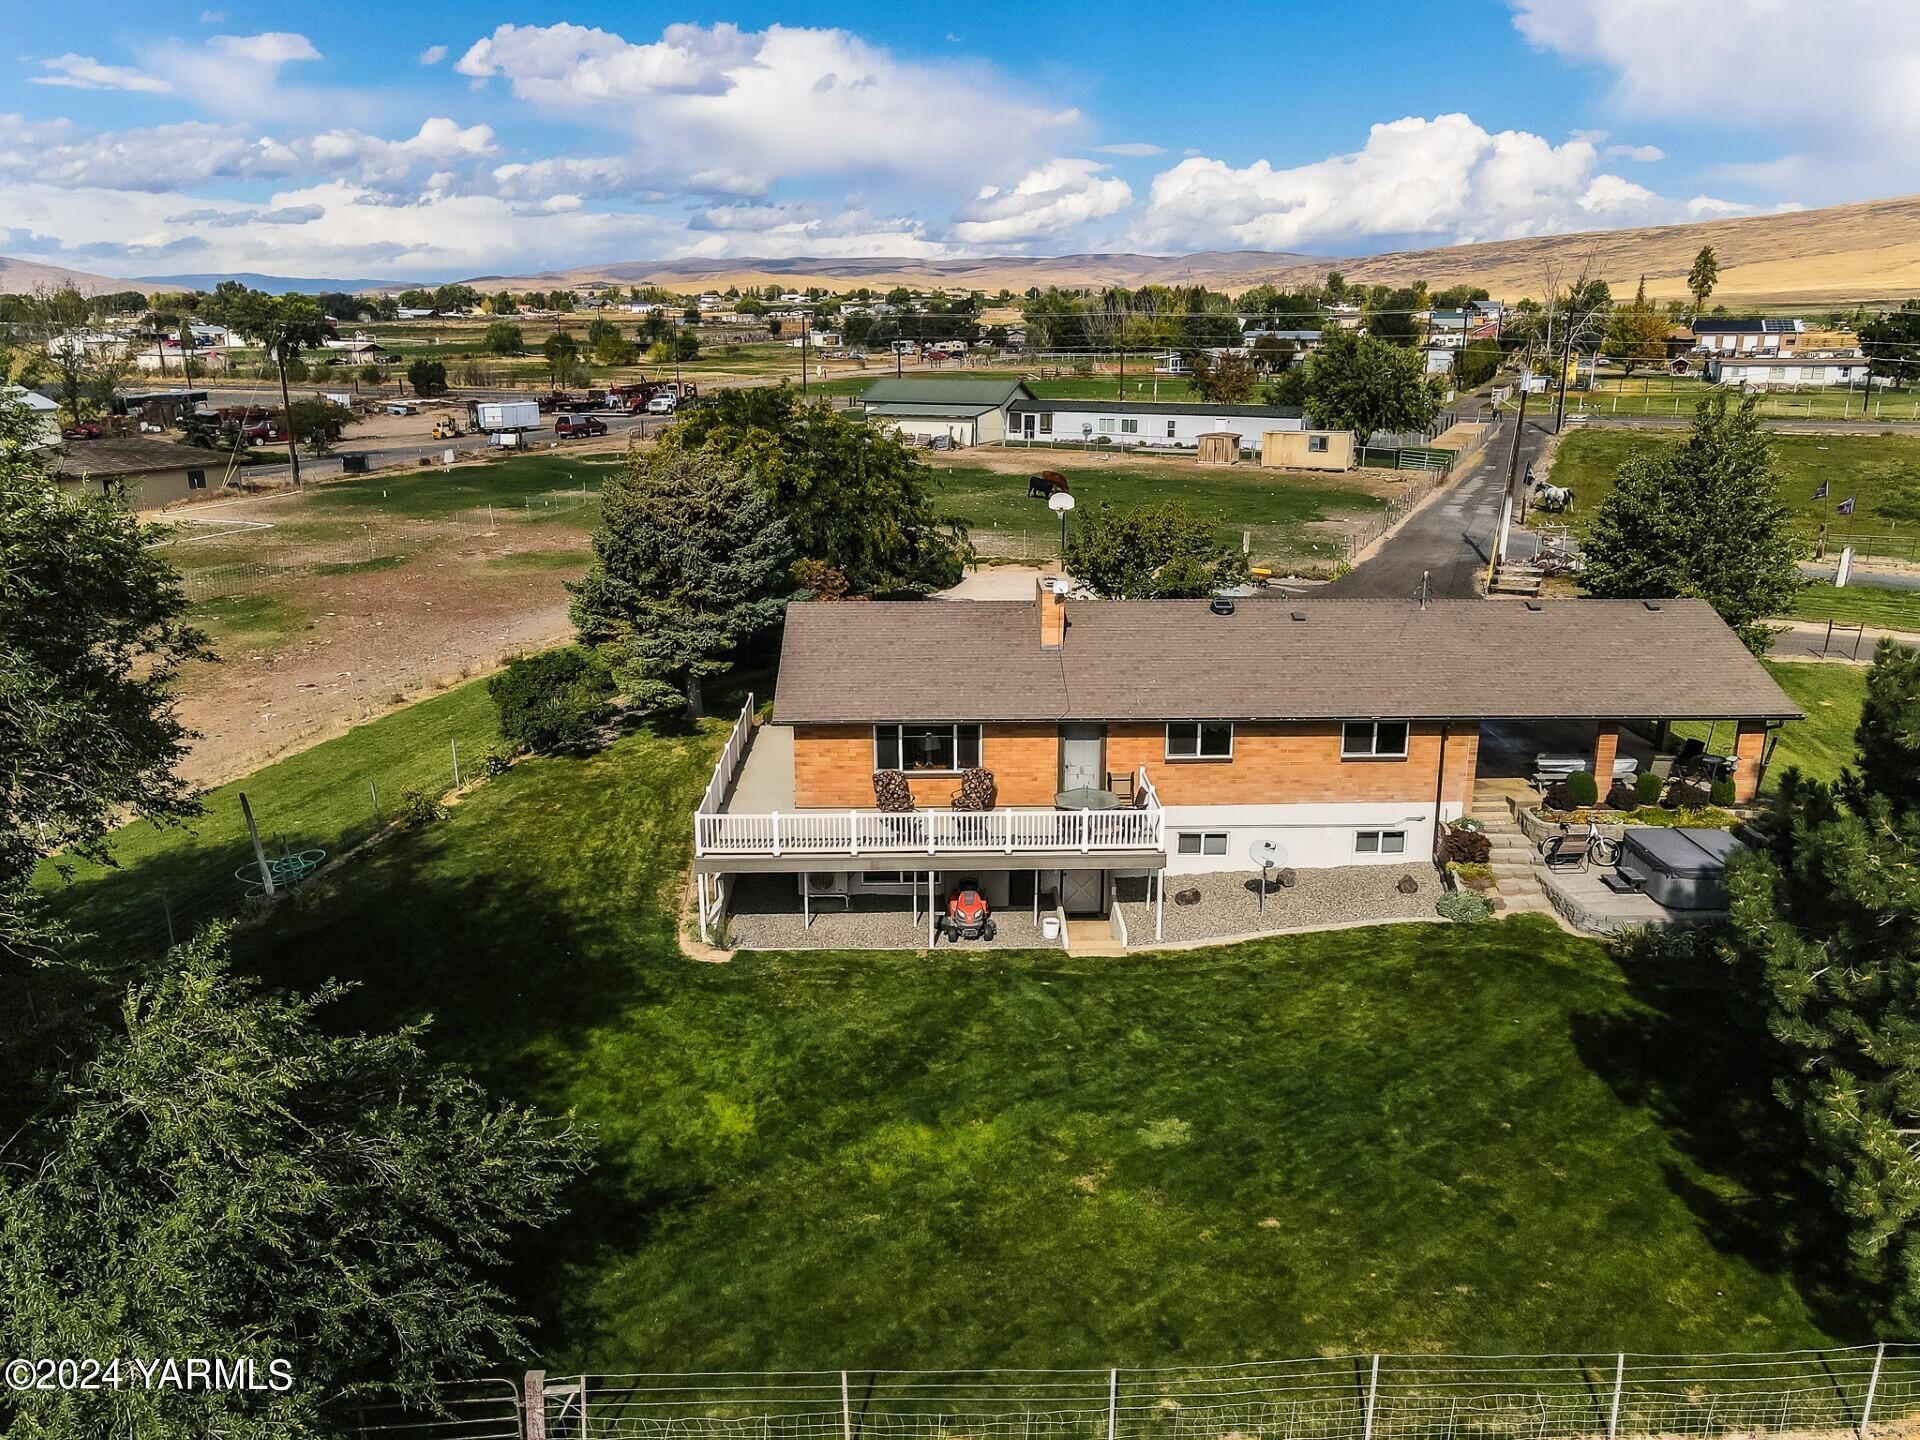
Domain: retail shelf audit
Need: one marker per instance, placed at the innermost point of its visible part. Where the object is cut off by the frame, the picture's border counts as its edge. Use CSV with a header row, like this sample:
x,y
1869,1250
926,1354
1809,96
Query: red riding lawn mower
x,y
968,916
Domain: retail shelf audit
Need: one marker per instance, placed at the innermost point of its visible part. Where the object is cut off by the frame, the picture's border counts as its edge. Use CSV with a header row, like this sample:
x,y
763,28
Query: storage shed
x,y
1221,447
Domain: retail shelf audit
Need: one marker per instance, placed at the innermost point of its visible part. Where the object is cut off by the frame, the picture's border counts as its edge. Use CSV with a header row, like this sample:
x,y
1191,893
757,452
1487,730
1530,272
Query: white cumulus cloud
x,y
753,107
433,54
1442,178
1052,200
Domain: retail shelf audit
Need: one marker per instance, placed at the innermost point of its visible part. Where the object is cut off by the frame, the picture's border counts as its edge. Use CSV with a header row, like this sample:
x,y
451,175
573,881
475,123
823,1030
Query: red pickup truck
x,y
571,425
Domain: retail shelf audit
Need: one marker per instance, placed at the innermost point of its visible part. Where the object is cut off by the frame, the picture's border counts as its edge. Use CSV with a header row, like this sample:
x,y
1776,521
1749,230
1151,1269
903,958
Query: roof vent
x,y
1651,604
1299,615
1535,606
1221,605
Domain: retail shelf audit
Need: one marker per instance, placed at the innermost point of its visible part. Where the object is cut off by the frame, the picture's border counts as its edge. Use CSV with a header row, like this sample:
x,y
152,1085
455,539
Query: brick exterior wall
x,y
833,767
1297,764
1272,764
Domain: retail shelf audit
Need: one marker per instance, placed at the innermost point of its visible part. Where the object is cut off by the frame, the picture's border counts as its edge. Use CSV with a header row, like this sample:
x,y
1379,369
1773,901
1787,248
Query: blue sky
x,y
437,139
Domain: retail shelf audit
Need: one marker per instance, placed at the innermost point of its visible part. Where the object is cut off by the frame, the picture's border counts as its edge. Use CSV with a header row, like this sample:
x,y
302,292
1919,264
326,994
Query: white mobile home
x,y
1122,422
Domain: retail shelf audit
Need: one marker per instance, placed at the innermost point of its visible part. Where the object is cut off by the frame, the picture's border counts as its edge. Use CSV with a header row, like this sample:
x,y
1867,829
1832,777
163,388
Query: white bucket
x,y
1050,928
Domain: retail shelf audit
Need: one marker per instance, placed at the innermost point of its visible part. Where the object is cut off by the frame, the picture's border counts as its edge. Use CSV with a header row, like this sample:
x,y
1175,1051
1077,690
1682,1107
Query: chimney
x,y
1053,612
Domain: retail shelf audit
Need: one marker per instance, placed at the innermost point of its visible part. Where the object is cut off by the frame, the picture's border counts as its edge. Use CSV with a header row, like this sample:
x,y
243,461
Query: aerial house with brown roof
x,y
1085,743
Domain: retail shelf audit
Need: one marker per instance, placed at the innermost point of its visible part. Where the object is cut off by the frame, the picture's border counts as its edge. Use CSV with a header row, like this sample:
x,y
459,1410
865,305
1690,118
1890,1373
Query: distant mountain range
x,y
272,284
1841,255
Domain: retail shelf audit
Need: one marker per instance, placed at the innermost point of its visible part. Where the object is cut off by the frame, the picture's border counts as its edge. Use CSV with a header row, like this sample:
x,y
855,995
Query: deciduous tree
x,y
228,1176
1892,342
1355,382
427,377
503,337
1150,551
1636,333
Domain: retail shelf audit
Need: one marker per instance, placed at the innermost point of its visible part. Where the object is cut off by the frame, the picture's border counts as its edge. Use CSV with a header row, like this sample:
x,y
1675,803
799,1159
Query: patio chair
x,y
976,792
891,793
1565,851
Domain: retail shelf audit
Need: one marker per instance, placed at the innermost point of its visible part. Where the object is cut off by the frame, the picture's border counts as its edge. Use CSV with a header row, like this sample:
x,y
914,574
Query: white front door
x,y
1082,757
1083,892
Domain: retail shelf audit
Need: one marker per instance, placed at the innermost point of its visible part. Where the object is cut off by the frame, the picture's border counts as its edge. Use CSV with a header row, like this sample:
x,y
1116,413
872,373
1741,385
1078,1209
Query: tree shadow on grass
x,y
1693,1053
513,975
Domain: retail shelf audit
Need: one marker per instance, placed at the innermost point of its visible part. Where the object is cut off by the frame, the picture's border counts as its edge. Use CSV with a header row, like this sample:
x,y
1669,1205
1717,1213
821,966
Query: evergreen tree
x,y
1889,733
1704,275
690,563
1700,519
1825,938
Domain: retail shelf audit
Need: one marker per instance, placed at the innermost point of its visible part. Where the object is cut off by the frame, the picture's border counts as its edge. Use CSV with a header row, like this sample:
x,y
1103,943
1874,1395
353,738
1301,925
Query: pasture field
x,y
1676,395
1881,472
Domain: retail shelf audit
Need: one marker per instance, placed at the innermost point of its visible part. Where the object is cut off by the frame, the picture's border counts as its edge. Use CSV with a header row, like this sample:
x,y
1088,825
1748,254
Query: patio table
x,y
1087,797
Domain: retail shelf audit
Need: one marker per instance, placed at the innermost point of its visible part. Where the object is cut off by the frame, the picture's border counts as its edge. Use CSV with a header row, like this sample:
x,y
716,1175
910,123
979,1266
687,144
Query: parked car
x,y
85,430
660,405
570,425
263,432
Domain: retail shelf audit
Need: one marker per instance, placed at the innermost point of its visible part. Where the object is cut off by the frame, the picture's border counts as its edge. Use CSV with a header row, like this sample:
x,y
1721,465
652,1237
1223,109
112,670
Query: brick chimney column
x,y
1749,745
1606,744
1051,600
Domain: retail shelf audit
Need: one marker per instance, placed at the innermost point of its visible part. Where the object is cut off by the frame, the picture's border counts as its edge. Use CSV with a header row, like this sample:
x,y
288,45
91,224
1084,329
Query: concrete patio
x,y
763,913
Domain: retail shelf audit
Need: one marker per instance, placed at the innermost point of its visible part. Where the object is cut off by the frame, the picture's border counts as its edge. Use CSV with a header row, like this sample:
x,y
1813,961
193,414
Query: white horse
x,y
1554,498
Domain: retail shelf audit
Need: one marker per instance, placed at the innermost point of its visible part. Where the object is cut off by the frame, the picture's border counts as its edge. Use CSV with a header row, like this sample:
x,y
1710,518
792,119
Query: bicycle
x,y
1558,852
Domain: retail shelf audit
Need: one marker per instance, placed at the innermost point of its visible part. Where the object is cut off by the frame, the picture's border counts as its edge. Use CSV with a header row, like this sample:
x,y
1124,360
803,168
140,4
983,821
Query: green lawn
x,y
1410,1137
1669,395
318,797
1882,473
1860,604
1820,745
1278,508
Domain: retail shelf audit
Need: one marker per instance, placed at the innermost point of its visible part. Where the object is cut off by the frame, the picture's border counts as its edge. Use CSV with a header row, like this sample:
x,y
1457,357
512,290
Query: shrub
x,y
1466,847
1722,791
1647,787
497,761
1684,796
417,808
552,700
1582,788
1463,907
1557,798
1470,875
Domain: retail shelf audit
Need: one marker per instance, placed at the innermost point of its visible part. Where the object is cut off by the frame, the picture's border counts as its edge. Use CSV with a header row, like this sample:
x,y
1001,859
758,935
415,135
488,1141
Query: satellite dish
x,y
1060,500
1266,852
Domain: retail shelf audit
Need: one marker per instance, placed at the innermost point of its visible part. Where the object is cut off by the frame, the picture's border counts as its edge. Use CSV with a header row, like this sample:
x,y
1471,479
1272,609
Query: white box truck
x,y
496,416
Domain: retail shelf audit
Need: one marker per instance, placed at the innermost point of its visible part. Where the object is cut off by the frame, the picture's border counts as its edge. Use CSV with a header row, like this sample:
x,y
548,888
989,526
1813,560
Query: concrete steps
x,y
1516,889
1092,937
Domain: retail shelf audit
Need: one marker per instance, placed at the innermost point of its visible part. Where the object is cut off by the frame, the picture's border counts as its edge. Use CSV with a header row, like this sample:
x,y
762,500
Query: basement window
x,y
1201,842
1379,842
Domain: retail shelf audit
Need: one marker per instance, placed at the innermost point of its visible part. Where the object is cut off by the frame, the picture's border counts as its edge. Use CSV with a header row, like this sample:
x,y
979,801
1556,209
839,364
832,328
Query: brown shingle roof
x,y
131,455
1173,659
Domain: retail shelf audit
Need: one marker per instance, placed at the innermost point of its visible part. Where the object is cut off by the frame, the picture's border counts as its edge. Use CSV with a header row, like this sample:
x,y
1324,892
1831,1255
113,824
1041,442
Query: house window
x,y
1170,434
1129,427
1373,740
1200,740
1202,842
1317,444
926,749
1046,423
1106,427
196,479
1379,842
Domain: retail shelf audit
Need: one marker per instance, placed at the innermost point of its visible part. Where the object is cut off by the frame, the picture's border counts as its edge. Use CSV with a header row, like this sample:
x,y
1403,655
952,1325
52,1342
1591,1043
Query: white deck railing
x,y
851,833
728,765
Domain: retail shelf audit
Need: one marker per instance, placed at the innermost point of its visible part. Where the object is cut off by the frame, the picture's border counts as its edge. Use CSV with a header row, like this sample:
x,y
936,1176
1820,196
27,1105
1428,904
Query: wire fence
x,y
1838,1392
210,869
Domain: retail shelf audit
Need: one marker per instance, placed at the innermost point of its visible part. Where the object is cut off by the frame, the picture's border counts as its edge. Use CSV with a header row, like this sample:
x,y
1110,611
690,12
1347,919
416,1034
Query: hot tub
x,y
1680,869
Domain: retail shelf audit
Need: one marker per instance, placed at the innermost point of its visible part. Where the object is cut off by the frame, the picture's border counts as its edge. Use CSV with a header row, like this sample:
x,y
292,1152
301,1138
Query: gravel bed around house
x,y
1229,902
764,914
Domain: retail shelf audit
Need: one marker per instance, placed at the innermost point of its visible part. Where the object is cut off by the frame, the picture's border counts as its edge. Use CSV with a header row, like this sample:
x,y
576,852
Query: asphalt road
x,y
1446,540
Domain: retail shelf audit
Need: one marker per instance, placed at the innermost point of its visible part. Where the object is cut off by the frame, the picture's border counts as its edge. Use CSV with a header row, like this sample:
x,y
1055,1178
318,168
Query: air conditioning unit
x,y
837,884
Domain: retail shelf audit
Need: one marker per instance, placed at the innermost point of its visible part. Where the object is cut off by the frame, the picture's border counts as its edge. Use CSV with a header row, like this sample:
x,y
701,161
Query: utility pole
x,y
805,326
1507,504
